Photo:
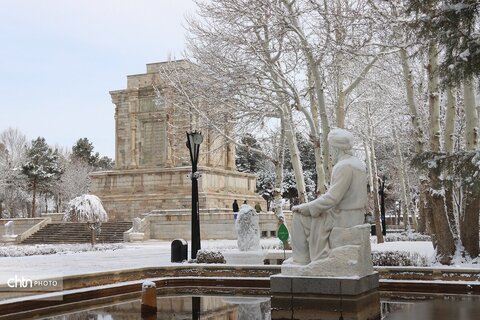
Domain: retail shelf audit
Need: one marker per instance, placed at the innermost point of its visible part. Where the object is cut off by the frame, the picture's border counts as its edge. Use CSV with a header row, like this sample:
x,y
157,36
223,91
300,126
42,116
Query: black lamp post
x,y
382,205
194,139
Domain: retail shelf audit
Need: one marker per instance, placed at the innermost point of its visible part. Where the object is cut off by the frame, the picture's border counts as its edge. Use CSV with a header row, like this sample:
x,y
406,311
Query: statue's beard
x,y
335,155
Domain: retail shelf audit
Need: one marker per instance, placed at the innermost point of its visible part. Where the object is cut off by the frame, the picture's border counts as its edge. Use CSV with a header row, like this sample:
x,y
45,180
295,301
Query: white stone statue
x,y
328,236
248,239
9,228
248,229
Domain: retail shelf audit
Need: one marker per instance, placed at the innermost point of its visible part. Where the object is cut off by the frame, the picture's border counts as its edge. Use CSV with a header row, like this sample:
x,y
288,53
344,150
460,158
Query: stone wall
x,y
127,194
214,224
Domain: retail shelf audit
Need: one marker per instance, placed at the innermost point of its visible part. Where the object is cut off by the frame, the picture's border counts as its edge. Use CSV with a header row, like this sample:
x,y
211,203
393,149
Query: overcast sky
x,y
60,58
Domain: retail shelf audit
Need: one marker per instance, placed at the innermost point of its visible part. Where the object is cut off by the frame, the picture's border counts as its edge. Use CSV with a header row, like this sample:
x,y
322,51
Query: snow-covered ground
x,y
72,261
138,255
424,248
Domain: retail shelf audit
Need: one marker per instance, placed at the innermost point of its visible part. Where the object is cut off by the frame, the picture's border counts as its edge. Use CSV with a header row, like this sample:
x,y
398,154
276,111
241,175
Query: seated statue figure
x,y
328,235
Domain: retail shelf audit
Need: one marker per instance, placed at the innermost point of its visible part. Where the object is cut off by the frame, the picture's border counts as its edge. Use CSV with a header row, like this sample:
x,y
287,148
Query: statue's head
x,y
341,142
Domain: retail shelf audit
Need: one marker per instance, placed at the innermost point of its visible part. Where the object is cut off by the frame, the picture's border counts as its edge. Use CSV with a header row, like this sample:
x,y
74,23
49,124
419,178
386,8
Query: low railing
x,y
24,227
144,228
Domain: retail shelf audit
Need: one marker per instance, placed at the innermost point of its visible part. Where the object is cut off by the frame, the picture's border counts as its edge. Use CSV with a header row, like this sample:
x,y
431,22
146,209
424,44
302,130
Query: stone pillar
x,y
168,143
118,99
149,299
208,146
230,156
132,110
117,155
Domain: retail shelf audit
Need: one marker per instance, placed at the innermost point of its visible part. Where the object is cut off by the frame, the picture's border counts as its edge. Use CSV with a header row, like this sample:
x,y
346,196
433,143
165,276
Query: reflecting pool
x,y
437,307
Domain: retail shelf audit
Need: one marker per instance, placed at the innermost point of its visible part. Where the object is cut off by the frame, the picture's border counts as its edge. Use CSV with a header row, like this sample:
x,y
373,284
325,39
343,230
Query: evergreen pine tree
x,y
246,160
454,25
41,168
83,150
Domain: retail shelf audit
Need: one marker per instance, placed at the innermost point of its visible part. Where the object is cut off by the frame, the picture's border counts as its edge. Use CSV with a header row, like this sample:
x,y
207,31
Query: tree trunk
x,y
469,222
288,126
34,193
277,190
443,232
316,141
414,116
410,206
341,97
378,224
419,137
428,221
403,188
13,210
469,228
450,208
58,202
376,204
369,162
449,137
471,116
296,162
433,99
425,223
321,179
317,81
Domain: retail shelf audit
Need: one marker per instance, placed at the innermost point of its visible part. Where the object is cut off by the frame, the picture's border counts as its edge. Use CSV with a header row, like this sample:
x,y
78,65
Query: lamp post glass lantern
x,y
194,139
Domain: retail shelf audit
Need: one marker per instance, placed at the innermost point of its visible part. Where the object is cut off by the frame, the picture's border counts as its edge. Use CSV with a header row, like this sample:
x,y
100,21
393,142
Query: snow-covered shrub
x,y
408,235
207,256
85,208
45,249
398,258
272,244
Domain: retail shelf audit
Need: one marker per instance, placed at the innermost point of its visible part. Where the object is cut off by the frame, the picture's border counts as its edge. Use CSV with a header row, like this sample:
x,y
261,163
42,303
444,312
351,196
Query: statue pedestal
x,y
236,256
326,298
136,236
9,238
350,255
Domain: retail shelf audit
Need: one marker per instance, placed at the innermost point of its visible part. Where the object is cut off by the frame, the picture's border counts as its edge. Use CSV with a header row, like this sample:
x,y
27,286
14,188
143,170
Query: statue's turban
x,y
340,139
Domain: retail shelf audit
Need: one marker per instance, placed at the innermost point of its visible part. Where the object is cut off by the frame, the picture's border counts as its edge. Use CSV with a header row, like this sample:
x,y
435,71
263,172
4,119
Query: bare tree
x,y
256,63
13,186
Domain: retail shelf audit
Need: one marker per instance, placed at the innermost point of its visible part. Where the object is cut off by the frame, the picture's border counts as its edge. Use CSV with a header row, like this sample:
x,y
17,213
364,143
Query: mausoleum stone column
x,y
133,109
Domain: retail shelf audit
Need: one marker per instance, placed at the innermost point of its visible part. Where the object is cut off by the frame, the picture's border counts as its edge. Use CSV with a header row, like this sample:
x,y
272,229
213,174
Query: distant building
x,y
152,161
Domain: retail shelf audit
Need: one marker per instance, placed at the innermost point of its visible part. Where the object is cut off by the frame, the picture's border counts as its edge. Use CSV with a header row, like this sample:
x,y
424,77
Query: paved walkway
x,y
136,255
150,253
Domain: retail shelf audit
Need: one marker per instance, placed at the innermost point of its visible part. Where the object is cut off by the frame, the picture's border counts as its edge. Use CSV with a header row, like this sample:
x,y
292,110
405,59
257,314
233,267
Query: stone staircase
x,y
75,232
